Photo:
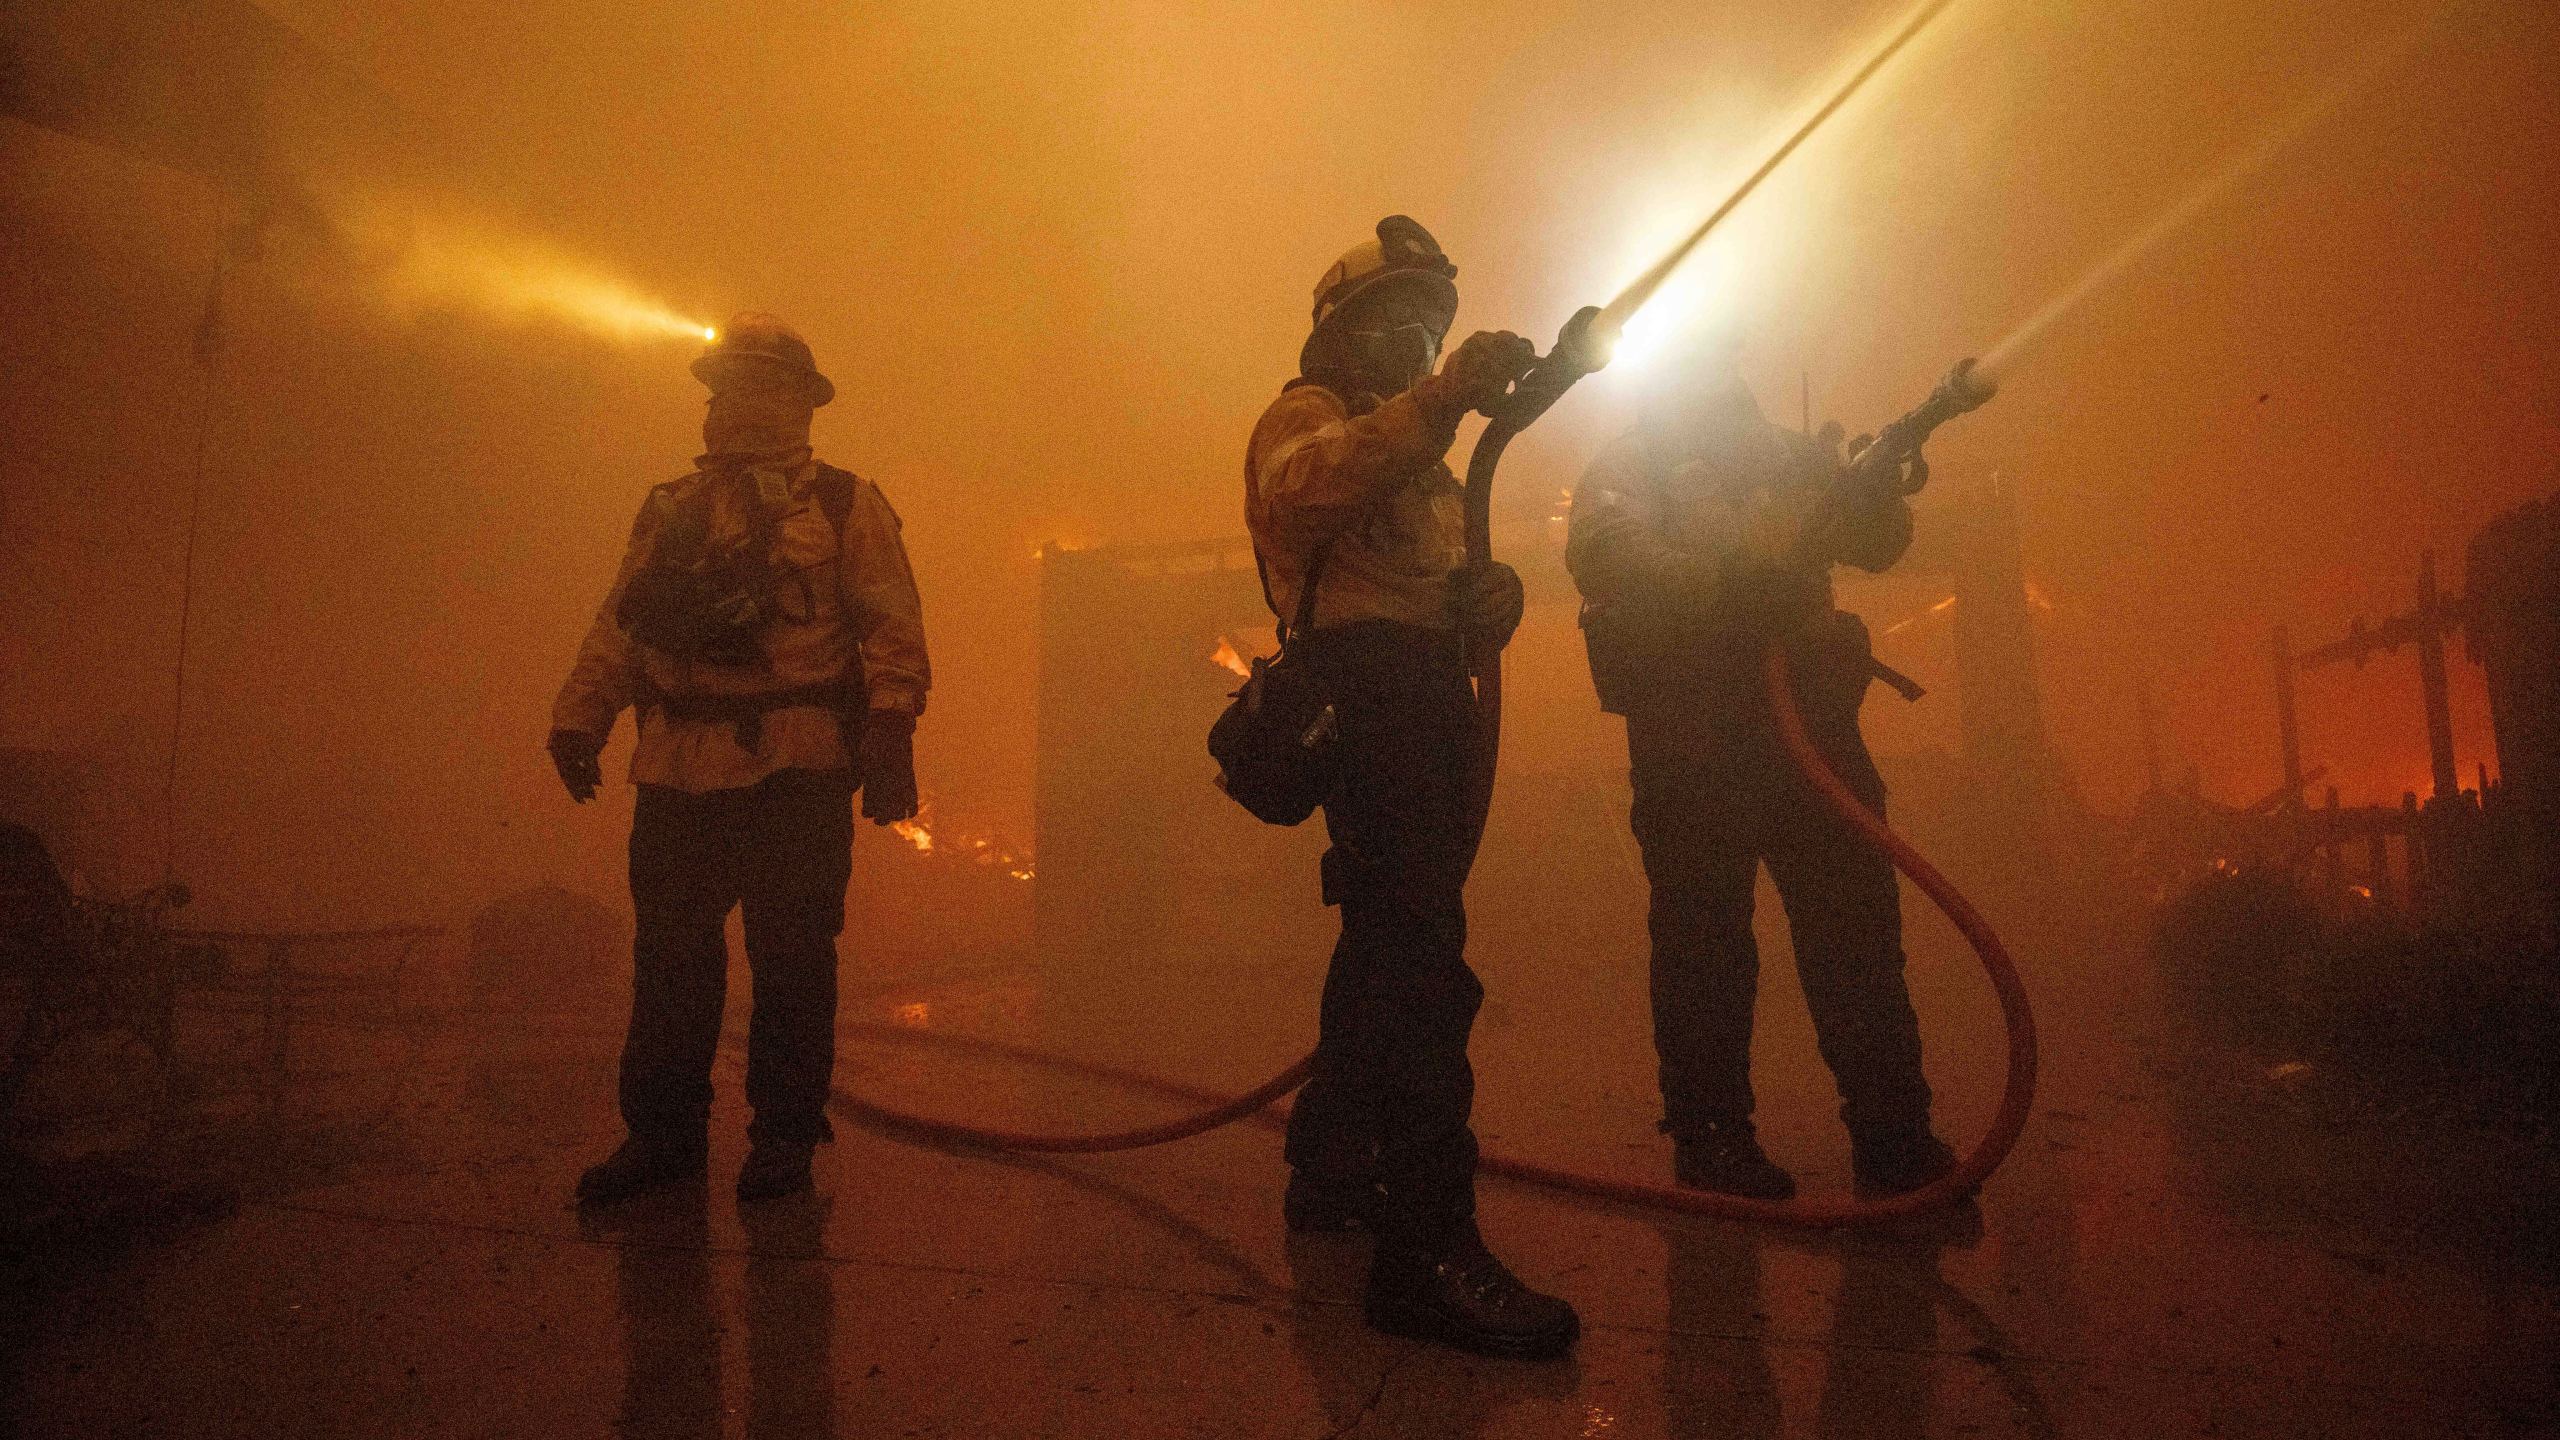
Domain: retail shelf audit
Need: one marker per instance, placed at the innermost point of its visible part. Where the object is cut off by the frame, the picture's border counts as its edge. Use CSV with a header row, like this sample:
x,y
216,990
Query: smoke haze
x,y
1057,258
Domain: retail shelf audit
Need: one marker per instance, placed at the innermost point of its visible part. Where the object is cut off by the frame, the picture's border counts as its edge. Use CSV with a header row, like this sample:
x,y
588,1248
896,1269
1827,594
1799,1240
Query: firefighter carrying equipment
x,y
1684,538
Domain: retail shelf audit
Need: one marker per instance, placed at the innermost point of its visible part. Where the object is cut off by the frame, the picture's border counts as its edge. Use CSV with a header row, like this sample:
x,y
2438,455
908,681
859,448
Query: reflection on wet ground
x,y
2175,1249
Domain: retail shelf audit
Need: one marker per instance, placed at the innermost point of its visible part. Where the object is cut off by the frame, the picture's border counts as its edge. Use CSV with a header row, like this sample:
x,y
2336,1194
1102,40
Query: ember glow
x,y
1906,622
914,833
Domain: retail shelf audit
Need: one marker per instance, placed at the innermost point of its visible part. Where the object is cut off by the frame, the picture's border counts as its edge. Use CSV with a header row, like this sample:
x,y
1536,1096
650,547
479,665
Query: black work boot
x,y
1898,1162
776,1168
1324,1203
639,1166
1457,1294
1726,1157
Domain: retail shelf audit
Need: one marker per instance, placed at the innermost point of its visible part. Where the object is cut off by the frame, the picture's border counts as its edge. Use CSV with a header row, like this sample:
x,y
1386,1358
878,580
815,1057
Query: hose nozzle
x,y
1968,387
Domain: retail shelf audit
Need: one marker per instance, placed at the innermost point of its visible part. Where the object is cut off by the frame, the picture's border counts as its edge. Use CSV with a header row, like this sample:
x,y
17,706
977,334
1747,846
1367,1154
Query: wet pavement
x,y
2181,1245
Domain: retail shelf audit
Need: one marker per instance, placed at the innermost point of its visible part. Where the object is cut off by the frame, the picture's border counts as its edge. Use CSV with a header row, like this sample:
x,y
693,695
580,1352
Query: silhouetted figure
x,y
766,630
1346,491
1684,540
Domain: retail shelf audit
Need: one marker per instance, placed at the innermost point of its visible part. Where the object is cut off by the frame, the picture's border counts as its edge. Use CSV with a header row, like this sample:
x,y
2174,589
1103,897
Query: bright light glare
x,y
1705,296
1675,310
446,263
710,333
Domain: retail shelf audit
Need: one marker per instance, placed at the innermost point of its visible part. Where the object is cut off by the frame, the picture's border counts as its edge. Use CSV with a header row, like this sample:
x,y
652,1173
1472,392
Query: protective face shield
x,y
1395,339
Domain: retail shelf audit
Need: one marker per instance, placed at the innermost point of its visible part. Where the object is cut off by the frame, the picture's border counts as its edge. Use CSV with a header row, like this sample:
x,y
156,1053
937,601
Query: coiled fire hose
x,y
1572,357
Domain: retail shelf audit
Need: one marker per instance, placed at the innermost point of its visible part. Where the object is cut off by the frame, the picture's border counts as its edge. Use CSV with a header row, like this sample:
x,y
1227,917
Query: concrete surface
x,y
2181,1246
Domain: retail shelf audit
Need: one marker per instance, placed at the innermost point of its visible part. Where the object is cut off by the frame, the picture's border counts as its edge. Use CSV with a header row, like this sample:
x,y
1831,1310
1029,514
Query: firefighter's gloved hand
x,y
1479,372
574,754
889,767
1486,600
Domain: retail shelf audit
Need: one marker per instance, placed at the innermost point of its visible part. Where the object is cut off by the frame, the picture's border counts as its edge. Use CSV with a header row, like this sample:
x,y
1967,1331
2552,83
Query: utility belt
x,y
1834,659
849,698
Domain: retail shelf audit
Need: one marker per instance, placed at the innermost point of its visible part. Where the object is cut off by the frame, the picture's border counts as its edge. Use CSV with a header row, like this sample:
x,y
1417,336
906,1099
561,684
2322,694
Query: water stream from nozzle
x,y
2234,171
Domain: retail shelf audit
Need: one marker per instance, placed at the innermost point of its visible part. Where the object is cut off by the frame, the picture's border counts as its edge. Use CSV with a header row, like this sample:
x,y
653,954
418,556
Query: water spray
x,y
1613,317
2240,167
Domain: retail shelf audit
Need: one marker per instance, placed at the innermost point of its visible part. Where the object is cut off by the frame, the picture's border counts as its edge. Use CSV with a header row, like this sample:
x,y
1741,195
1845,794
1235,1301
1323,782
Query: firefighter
x,y
1688,542
1345,478
765,630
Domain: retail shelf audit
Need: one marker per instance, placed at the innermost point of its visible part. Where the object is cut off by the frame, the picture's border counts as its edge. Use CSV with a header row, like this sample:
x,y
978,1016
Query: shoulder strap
x,y
835,496
1305,618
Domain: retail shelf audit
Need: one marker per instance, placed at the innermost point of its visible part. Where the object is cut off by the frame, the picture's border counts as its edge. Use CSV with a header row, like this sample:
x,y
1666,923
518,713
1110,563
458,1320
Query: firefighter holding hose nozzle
x,y
1689,540
766,632
1352,506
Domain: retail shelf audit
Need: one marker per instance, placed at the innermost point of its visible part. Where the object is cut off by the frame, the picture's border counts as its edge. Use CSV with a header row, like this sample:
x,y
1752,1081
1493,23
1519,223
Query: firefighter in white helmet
x,y
765,630
1347,491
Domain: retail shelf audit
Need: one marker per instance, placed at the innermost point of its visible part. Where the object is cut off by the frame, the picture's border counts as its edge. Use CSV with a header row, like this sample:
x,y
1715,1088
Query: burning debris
x,y
977,850
1227,657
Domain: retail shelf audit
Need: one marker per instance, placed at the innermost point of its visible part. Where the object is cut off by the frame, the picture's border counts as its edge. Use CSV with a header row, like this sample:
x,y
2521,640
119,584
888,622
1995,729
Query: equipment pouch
x,y
1277,743
1616,665
703,612
690,601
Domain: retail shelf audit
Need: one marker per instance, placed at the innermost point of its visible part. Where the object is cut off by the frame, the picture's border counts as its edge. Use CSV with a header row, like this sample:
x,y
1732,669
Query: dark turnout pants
x,y
1715,798
782,851
1392,1089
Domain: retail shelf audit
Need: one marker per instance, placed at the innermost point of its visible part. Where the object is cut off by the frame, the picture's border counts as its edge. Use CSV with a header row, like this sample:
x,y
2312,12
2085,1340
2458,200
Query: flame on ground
x,y
975,849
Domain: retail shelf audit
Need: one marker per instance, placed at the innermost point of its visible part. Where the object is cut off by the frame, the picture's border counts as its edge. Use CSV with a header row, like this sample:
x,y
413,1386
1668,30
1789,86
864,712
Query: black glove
x,y
1486,600
1476,375
573,754
888,766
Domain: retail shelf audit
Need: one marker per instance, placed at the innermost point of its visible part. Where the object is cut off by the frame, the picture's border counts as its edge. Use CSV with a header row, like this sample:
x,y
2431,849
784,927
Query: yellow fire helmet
x,y
758,344
1404,254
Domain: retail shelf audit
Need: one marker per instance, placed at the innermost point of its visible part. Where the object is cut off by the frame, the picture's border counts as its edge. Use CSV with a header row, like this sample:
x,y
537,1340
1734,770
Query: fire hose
x,y
1577,353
